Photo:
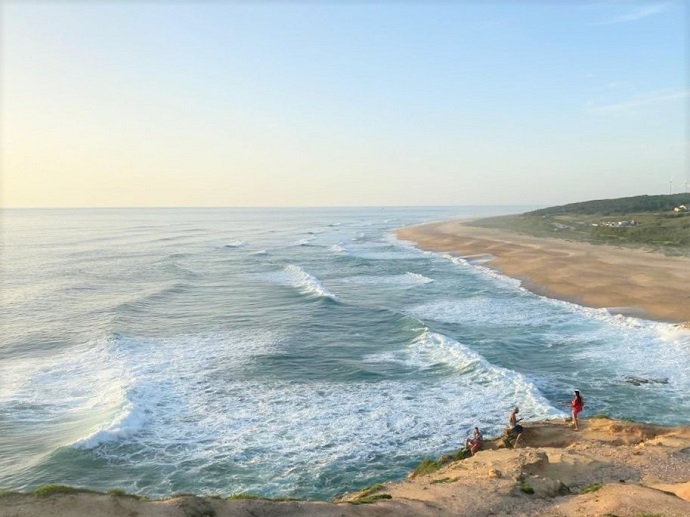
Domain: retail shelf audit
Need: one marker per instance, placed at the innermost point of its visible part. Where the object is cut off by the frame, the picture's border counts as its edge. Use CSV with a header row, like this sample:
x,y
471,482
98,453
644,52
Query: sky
x,y
357,103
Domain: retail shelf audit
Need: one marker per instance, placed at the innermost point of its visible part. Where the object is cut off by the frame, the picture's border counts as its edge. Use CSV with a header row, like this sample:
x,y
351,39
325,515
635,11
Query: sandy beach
x,y
628,281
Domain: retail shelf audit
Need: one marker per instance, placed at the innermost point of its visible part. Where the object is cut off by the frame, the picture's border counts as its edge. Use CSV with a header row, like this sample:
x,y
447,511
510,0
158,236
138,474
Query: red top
x,y
577,405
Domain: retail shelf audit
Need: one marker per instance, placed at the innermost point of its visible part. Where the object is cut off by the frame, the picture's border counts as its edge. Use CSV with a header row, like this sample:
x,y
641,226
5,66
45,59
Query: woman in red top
x,y
576,406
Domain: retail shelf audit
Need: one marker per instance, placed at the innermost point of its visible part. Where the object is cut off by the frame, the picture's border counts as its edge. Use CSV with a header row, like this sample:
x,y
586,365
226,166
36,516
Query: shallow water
x,y
284,352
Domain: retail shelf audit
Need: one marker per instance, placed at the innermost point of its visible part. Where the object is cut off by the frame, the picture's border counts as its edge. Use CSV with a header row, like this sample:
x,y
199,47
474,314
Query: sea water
x,y
285,352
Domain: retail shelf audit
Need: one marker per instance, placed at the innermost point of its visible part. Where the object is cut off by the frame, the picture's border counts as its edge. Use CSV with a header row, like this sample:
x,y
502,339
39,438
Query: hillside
x,y
639,221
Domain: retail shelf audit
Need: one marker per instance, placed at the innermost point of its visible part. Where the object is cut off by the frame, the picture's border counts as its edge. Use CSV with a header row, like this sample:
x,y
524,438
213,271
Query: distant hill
x,y
622,205
638,221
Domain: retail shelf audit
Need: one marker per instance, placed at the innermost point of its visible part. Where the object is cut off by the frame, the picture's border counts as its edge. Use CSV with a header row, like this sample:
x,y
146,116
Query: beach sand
x,y
607,468
623,280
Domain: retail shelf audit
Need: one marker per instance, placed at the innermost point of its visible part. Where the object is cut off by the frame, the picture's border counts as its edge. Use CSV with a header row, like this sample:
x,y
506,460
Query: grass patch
x,y
254,497
117,492
368,495
371,498
638,222
426,467
370,490
48,490
8,493
243,495
526,488
590,488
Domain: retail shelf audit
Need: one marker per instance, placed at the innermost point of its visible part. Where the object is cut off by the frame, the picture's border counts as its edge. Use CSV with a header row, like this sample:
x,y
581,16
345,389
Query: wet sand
x,y
628,281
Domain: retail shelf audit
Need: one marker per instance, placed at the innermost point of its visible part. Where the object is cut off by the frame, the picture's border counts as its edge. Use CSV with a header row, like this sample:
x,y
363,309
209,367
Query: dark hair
x,y
578,396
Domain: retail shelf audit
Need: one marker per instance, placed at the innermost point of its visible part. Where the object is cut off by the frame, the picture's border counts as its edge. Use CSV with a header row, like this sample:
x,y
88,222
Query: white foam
x,y
130,420
385,255
474,266
181,410
236,244
294,276
407,279
488,311
155,384
432,349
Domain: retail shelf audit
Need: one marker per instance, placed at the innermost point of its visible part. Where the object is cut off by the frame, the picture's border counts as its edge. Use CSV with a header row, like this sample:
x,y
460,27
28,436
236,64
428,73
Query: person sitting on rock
x,y
516,429
475,443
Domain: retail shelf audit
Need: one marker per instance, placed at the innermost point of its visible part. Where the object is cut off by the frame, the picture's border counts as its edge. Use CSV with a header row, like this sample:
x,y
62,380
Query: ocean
x,y
285,352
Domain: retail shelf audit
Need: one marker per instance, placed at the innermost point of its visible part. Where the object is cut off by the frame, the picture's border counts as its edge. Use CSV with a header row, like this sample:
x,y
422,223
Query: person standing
x,y
576,406
516,429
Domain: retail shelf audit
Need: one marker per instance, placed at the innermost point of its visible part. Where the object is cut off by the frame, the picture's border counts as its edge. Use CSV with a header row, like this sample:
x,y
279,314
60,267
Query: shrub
x,y
243,495
526,488
590,488
426,467
47,490
371,498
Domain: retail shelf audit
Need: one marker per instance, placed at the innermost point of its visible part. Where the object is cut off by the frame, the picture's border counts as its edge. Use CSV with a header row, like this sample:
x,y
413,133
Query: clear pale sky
x,y
353,103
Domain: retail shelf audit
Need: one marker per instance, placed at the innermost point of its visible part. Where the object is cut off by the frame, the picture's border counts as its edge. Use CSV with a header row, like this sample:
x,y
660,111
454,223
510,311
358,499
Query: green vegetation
x,y
243,495
48,490
369,495
426,467
8,493
370,490
640,221
618,206
590,488
444,480
371,498
118,492
526,488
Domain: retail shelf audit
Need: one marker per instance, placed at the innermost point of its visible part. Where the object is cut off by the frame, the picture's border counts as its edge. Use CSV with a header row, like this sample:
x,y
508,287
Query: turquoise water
x,y
284,352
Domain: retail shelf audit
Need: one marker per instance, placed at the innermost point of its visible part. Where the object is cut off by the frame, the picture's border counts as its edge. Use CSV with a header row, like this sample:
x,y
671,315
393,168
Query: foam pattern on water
x,y
175,408
407,279
294,276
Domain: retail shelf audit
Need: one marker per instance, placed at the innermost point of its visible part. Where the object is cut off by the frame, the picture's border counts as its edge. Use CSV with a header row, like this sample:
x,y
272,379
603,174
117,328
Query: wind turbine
x,y
686,185
670,186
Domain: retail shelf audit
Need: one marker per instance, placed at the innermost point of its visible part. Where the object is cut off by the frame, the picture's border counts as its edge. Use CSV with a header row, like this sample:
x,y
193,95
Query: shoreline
x,y
608,467
631,282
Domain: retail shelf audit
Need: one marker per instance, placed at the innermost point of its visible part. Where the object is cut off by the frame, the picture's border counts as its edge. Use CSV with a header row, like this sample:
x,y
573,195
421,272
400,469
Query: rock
x,y
547,487
638,381
495,474
531,461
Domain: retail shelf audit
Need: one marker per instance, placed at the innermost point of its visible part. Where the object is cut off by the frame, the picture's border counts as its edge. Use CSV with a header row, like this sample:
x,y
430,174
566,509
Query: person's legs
x,y
576,425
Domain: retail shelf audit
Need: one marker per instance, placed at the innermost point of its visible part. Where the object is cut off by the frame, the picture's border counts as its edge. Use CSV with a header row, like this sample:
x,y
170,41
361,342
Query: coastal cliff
x,y
609,467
